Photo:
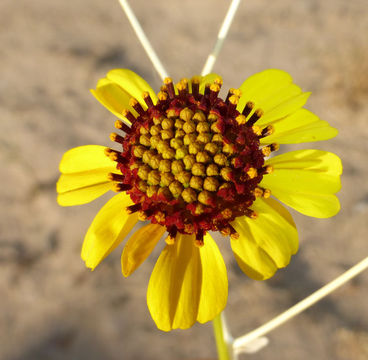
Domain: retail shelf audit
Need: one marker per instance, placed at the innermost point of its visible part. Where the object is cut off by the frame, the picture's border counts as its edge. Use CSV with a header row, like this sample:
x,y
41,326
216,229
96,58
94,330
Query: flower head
x,y
190,162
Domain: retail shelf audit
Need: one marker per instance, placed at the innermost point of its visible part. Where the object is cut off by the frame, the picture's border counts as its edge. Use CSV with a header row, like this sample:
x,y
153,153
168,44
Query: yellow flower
x,y
189,163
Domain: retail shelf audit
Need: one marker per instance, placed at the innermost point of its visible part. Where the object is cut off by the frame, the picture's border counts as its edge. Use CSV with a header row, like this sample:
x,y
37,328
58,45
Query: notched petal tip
x,y
188,284
266,243
306,180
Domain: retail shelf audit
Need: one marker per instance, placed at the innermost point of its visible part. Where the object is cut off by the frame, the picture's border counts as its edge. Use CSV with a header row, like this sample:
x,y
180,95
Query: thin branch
x,y
221,37
302,305
225,328
223,343
143,39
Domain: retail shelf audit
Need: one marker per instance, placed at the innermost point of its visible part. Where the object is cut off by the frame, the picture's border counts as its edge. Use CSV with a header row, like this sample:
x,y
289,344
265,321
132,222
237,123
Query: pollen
x,y
226,213
189,126
176,188
199,243
189,195
205,197
164,166
266,193
203,157
186,114
241,119
152,190
196,182
252,173
184,177
199,116
198,169
153,177
269,169
160,216
162,96
212,170
191,161
211,184
166,179
170,240
212,148
220,159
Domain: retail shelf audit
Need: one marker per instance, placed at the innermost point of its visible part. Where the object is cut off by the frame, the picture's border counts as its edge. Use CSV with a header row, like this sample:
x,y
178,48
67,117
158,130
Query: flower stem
x,y
302,305
222,347
212,57
143,39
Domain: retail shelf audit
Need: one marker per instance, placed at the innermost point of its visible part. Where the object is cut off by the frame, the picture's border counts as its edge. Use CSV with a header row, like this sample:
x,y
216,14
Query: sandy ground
x,y
51,53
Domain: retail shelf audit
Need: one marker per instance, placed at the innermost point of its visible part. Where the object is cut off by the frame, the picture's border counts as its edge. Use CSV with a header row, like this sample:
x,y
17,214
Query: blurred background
x,y
51,54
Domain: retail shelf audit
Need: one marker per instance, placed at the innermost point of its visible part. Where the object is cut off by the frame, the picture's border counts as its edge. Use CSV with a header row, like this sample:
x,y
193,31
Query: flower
x,y
191,163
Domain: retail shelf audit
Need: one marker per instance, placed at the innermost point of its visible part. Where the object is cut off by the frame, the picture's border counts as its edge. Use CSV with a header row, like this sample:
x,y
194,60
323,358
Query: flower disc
x,y
191,162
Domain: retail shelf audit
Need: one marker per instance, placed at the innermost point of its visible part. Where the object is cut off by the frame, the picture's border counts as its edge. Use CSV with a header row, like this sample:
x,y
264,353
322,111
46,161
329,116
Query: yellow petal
x,y
301,126
113,97
140,246
270,103
207,79
84,175
110,226
284,108
84,158
275,85
187,284
132,83
74,181
214,288
83,187
83,195
267,242
306,181
174,287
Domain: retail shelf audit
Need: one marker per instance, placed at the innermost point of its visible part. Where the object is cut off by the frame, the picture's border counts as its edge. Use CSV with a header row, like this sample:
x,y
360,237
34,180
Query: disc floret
x,y
192,162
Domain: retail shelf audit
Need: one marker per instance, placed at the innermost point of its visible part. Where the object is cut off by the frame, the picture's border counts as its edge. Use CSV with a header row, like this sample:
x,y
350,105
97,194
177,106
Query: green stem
x,y
222,348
